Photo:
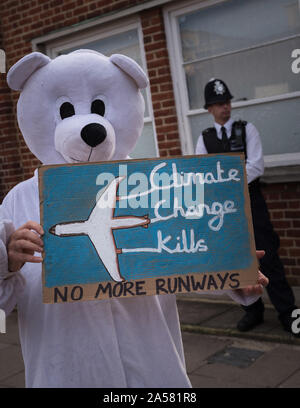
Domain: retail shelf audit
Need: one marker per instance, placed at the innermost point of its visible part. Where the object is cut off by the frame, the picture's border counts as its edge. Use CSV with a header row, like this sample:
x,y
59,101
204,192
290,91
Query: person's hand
x,y
262,281
23,243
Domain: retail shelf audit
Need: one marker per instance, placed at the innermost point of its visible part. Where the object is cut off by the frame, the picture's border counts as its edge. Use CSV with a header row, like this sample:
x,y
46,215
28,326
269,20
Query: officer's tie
x,y
225,141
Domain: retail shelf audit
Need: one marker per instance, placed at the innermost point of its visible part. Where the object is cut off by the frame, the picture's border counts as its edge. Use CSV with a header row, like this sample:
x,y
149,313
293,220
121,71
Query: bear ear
x,y
21,70
131,68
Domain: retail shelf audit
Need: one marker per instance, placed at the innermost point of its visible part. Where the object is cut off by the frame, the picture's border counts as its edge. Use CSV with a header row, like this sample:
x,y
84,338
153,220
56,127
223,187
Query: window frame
x,y
179,81
74,37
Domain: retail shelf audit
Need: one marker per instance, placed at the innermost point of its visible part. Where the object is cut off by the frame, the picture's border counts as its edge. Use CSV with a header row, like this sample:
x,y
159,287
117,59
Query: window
x,y
121,39
248,44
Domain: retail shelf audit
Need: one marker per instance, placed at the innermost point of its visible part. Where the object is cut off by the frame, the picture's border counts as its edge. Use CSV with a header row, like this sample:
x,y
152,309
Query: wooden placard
x,y
144,227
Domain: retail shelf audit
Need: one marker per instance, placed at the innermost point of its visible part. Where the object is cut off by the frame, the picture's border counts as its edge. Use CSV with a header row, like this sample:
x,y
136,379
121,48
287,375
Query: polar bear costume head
x,y
79,107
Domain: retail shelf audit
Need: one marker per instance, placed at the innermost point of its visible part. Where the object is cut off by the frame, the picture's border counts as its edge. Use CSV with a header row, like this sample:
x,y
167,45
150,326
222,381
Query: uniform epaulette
x,y
208,130
243,122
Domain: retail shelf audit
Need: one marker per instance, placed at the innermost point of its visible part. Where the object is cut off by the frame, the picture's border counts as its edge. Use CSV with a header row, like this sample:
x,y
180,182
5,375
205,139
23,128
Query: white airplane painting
x,y
99,228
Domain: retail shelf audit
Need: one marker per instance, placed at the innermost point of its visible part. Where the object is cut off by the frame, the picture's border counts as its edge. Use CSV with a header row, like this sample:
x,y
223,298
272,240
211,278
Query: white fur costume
x,y
109,343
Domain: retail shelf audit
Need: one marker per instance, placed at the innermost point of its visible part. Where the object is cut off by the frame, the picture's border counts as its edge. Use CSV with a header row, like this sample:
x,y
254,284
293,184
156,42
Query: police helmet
x,y
216,91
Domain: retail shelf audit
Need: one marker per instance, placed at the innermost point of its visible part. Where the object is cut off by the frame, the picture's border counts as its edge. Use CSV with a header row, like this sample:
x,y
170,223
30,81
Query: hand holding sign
x,y
190,243
262,281
22,245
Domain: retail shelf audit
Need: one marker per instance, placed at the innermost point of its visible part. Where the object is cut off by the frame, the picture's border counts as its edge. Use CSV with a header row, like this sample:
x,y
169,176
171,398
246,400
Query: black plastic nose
x,y
93,134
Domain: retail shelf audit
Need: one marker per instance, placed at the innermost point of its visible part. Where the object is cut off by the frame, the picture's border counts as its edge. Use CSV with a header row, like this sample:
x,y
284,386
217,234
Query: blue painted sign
x,y
143,227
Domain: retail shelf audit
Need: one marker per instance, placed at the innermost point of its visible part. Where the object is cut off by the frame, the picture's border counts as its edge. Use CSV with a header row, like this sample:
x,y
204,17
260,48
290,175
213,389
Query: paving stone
x,y
226,320
229,319
201,381
226,374
276,366
229,375
191,312
200,347
236,356
12,330
269,370
3,346
15,381
264,346
11,361
292,382
226,316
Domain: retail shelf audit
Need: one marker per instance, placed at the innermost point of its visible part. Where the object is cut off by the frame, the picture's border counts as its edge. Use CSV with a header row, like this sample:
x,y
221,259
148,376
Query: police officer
x,y
239,136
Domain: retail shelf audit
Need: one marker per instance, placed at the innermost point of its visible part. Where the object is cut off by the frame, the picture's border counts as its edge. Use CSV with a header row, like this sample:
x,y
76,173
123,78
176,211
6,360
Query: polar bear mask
x,y
79,107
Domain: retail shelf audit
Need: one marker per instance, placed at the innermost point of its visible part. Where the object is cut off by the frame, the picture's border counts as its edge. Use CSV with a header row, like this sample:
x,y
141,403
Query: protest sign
x,y
144,227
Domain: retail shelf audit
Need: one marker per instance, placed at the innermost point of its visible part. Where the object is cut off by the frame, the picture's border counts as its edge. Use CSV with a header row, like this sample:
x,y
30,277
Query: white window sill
x,y
281,168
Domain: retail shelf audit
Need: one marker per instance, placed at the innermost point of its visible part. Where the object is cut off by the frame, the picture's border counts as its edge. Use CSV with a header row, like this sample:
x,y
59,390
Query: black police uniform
x,y
266,238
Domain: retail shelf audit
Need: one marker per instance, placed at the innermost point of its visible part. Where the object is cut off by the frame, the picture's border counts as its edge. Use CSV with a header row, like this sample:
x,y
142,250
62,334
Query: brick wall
x,y
10,163
284,206
163,99
23,20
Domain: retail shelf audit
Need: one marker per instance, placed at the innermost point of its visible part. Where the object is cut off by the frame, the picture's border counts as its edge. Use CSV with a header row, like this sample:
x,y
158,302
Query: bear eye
x,y
66,110
98,107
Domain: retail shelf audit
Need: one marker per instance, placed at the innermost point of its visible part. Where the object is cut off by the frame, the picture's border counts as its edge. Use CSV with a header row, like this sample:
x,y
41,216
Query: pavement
x,y
217,354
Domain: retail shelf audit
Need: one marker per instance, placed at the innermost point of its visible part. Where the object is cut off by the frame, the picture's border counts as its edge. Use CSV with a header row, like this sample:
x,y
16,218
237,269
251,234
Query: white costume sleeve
x,y
11,284
243,300
234,295
255,159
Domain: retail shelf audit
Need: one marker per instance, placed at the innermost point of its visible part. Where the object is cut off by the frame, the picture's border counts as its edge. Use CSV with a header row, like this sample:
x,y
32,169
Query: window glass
x,y
247,78
145,146
234,25
278,136
248,44
240,30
